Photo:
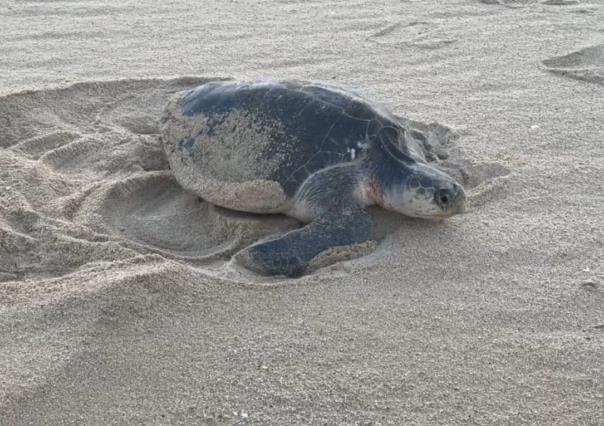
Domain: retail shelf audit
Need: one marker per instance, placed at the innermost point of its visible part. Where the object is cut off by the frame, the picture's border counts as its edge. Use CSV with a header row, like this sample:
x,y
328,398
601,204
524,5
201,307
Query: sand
x,y
206,157
118,301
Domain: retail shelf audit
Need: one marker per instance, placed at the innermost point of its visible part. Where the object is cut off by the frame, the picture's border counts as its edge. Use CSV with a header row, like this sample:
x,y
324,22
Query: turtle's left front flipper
x,y
291,254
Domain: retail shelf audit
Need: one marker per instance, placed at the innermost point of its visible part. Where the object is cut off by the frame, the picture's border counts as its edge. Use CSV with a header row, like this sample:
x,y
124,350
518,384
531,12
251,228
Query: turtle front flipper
x,y
291,254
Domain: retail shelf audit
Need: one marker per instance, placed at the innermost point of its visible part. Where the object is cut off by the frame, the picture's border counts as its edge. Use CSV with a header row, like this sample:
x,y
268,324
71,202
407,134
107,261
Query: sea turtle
x,y
312,151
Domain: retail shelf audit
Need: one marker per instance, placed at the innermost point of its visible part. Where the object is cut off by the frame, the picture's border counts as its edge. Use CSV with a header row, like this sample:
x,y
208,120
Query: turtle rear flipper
x,y
292,253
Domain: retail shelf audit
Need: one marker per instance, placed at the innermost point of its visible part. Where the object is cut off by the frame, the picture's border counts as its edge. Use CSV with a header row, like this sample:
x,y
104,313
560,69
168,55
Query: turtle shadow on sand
x,y
93,149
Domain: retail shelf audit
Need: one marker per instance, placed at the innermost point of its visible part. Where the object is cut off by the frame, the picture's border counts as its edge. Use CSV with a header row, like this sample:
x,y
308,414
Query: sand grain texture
x,y
118,304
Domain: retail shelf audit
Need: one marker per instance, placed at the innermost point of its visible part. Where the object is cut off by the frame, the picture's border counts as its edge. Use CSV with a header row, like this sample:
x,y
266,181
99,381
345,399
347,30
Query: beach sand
x,y
118,301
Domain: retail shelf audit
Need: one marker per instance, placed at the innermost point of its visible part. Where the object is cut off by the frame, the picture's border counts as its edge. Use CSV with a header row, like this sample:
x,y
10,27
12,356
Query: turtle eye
x,y
443,197
447,197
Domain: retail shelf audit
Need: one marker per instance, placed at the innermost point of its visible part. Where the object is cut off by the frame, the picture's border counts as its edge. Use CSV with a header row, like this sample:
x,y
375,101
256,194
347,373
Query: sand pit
x,y
119,301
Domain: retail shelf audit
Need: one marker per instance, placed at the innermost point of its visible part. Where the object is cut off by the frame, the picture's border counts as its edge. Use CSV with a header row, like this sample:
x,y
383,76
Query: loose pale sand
x,y
116,303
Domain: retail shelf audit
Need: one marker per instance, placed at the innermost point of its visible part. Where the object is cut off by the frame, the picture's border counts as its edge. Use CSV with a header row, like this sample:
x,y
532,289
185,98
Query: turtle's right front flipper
x,y
291,254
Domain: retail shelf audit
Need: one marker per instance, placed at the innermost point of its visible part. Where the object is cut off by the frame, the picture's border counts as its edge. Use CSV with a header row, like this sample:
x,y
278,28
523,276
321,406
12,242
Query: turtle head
x,y
424,192
410,186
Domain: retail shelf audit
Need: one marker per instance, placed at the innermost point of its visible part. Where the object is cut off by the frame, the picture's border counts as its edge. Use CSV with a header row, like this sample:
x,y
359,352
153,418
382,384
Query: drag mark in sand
x,y
415,34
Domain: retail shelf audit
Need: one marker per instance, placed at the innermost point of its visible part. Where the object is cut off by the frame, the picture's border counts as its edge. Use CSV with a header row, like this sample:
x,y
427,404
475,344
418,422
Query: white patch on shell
x,y
352,152
362,145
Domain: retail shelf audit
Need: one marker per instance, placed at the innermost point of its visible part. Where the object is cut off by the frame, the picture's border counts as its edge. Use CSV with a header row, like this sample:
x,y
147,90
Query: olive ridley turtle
x,y
311,151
